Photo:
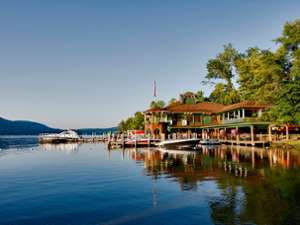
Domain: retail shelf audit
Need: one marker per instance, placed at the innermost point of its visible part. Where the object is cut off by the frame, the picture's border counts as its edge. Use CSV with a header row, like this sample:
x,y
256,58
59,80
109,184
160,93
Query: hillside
x,y
22,127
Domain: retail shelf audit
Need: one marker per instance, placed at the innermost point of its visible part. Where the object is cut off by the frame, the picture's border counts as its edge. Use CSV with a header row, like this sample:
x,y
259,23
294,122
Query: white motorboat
x,y
63,137
209,142
180,143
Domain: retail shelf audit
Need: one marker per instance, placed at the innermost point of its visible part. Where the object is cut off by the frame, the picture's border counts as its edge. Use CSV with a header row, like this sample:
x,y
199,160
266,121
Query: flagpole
x,y
154,90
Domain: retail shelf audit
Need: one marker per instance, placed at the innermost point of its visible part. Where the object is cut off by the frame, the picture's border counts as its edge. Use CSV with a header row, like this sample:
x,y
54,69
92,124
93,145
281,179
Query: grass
x,y
291,144
295,143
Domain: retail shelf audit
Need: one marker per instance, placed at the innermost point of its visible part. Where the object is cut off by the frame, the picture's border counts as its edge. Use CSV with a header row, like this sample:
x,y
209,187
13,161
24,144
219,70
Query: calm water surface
x,y
87,184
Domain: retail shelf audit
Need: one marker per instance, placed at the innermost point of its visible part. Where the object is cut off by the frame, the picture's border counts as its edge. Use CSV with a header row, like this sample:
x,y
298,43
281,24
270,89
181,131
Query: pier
x,y
246,143
123,140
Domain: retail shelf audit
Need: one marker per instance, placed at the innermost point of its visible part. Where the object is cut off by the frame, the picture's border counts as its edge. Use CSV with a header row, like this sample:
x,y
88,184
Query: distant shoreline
x,y
23,127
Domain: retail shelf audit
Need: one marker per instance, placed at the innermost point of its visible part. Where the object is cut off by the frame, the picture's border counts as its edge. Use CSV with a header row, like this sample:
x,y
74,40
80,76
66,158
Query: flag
x,y
154,89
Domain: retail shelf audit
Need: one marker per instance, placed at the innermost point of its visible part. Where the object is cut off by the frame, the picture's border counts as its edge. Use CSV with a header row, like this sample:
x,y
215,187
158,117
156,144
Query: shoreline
x,y
289,144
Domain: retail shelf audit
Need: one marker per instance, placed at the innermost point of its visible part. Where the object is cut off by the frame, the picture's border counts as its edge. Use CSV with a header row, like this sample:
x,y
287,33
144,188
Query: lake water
x,y
87,184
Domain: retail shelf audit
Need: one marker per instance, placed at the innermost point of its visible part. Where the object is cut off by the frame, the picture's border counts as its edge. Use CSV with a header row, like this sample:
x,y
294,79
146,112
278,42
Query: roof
x,y
208,107
245,105
155,110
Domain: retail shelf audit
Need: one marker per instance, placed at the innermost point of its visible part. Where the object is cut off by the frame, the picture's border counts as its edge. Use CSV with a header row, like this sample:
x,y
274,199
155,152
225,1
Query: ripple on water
x,y
87,184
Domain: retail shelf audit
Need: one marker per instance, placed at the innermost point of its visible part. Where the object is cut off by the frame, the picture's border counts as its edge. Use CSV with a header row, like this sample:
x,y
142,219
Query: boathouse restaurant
x,y
239,123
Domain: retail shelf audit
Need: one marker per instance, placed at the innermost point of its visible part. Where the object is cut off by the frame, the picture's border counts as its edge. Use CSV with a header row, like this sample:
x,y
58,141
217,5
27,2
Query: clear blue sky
x,y
91,63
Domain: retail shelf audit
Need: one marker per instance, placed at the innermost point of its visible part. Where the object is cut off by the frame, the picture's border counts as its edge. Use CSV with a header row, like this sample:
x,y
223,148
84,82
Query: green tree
x,y
290,37
221,96
218,94
260,73
159,104
222,67
273,76
289,46
199,97
138,121
172,101
287,107
187,98
122,126
295,68
132,123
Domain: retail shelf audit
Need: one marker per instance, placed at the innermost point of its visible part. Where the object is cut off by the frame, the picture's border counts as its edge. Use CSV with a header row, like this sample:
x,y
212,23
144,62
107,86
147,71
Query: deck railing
x,y
196,124
226,121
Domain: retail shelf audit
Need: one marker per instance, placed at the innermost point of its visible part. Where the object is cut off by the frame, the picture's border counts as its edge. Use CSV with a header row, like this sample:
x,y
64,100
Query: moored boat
x,y
210,142
66,136
181,143
139,139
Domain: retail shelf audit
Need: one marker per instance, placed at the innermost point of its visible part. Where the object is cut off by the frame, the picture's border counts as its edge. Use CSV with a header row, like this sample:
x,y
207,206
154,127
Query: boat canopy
x,y
69,133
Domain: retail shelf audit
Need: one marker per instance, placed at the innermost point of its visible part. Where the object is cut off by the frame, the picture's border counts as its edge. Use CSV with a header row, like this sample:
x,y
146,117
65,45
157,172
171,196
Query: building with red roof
x,y
241,121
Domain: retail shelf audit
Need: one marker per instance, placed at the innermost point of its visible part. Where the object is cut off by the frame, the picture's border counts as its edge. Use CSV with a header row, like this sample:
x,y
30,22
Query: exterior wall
x,y
194,120
155,124
160,121
154,129
239,115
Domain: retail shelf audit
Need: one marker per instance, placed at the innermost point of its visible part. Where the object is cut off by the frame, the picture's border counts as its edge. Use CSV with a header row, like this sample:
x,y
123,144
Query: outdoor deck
x,y
262,143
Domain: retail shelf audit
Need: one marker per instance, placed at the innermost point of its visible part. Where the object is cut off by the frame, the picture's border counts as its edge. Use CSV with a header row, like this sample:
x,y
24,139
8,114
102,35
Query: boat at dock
x,y
210,142
143,142
66,136
180,143
133,138
139,139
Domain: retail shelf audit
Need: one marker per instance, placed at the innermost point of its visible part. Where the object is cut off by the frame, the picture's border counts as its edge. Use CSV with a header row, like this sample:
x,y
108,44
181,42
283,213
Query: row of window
x,y
200,119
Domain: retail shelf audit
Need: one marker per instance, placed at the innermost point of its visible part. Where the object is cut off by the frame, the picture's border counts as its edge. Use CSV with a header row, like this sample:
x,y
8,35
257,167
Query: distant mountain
x,y
22,127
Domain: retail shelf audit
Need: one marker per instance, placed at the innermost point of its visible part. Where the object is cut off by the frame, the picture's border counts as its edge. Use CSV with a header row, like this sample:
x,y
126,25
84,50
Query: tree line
x,y
266,76
135,122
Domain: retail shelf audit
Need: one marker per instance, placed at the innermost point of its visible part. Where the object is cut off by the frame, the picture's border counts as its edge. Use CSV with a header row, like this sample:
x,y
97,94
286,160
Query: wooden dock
x,y
112,144
91,140
246,143
114,141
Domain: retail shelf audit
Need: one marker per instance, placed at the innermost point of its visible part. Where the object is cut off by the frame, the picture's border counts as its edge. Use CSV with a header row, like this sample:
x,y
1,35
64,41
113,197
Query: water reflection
x,y
221,185
17,142
69,148
257,186
238,161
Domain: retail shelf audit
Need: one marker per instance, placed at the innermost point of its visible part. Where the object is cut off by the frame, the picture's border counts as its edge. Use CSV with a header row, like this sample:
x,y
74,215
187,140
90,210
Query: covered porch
x,y
240,133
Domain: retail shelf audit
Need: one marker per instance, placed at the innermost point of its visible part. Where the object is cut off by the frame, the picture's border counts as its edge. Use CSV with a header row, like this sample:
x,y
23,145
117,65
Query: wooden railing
x,y
226,121
197,124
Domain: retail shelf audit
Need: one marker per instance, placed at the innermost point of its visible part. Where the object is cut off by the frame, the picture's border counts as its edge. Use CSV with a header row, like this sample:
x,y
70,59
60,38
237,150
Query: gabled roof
x,y
203,107
156,110
208,107
245,105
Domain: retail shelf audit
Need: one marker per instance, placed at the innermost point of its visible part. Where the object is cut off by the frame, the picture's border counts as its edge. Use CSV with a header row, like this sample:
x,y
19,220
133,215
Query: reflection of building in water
x,y
250,185
190,167
68,148
258,157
